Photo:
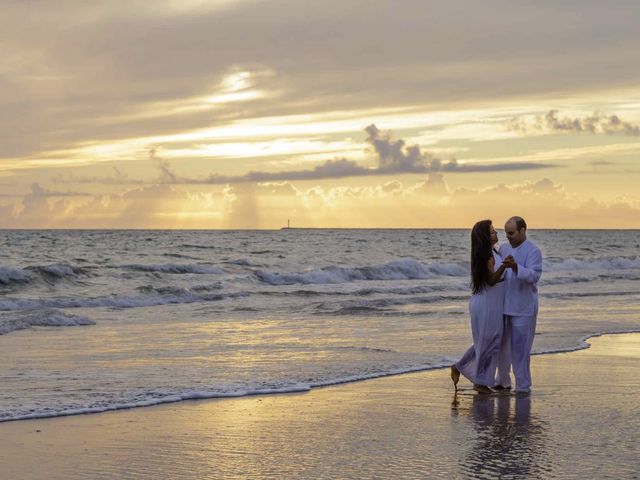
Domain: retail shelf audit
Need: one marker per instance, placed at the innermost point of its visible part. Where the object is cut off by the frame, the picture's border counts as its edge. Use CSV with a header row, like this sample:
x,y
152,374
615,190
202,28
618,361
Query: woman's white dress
x,y
486,309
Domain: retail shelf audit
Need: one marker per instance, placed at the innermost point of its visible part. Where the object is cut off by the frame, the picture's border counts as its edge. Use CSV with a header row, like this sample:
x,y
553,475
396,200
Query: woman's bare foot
x,y
455,376
482,389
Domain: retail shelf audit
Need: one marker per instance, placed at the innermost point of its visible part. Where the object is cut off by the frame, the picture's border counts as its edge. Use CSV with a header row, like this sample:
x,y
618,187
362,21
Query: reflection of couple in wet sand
x,y
508,444
503,308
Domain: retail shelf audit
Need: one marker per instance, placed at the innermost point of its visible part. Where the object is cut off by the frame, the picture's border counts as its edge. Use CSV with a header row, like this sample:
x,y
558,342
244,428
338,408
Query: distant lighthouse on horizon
x,y
289,227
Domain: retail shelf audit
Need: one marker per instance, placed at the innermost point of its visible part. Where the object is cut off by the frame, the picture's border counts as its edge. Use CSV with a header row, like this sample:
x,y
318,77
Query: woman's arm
x,y
494,277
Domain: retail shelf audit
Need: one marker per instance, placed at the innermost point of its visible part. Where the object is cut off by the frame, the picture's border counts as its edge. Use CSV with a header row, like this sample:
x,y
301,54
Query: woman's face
x,y
493,234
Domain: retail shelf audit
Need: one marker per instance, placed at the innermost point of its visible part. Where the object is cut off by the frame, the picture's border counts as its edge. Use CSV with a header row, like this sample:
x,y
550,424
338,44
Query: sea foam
x,y
10,275
48,273
402,269
174,295
10,322
176,268
597,263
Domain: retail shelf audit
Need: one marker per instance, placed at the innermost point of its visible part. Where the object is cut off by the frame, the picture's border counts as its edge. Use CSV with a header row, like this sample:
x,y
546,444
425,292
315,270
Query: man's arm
x,y
532,271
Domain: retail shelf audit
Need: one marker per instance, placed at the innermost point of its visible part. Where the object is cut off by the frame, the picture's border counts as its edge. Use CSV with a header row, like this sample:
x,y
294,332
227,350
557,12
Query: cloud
x,y
435,184
431,202
339,168
154,206
38,191
602,167
392,157
596,123
544,186
74,73
37,208
166,175
40,207
599,163
396,157
118,178
280,188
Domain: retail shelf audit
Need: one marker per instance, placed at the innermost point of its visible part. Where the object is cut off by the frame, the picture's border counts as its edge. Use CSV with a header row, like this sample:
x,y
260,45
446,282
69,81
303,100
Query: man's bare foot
x,y
482,389
455,376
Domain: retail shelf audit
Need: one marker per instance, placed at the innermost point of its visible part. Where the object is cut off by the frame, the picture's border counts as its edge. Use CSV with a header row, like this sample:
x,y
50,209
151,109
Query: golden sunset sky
x,y
350,113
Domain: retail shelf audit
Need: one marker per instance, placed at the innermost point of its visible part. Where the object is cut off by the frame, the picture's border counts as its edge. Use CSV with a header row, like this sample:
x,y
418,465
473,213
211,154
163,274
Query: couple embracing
x,y
503,308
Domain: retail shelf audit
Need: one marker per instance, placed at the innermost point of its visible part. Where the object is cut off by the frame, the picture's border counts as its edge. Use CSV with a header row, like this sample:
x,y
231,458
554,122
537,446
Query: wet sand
x,y
581,421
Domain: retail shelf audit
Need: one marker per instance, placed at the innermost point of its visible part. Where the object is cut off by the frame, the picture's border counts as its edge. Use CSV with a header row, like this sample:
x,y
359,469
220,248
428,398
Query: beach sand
x,y
581,421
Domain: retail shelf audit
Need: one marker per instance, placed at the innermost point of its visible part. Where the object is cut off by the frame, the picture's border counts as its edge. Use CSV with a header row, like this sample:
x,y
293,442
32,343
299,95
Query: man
x,y
524,268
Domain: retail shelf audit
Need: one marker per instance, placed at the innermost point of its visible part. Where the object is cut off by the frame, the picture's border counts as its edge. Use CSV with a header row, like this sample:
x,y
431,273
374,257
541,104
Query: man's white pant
x,y
515,351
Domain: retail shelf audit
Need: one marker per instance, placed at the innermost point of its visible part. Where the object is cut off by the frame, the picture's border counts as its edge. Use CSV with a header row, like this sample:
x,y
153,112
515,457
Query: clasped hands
x,y
510,262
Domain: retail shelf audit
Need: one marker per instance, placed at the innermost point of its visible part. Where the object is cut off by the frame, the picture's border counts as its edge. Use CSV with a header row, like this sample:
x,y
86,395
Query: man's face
x,y
515,236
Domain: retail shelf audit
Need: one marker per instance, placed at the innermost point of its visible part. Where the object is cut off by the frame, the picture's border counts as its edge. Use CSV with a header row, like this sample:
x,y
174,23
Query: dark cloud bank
x,y
393,156
593,124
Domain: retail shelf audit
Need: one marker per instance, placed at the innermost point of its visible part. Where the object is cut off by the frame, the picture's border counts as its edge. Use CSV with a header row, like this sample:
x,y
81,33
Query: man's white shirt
x,y
521,295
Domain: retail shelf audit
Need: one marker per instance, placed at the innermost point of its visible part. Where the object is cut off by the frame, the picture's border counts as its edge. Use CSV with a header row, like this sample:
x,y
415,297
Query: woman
x,y
478,364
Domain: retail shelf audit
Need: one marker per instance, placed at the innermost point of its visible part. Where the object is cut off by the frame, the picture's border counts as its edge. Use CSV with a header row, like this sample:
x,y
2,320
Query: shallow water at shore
x,y
581,421
102,320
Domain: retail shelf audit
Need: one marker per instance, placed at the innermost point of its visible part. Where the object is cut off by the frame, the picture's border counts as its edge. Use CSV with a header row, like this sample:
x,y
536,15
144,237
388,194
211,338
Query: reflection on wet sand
x,y
509,442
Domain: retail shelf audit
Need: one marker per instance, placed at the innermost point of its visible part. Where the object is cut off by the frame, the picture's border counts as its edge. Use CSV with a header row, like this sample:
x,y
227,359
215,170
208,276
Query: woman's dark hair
x,y
480,254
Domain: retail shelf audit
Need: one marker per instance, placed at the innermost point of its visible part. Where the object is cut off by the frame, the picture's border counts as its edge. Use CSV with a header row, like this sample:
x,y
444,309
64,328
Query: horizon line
x,y
277,229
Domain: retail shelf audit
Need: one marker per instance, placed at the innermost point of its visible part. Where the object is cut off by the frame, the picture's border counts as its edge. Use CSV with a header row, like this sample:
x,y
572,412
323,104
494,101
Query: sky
x,y
228,114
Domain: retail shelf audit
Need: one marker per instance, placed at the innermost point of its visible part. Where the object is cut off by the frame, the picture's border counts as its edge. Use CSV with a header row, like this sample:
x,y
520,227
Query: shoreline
x,y
277,229
404,426
582,344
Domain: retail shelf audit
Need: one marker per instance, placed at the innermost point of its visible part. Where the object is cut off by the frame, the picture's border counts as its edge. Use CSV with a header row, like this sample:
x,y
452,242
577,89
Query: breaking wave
x,y
10,275
402,269
47,273
598,263
379,304
10,322
175,268
154,297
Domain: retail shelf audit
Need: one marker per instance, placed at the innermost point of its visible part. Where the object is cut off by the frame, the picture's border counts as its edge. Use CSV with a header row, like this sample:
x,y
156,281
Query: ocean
x,y
92,321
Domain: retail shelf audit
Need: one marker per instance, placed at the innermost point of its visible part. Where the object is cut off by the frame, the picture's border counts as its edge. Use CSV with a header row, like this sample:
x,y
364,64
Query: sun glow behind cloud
x,y
201,92
172,7
293,134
